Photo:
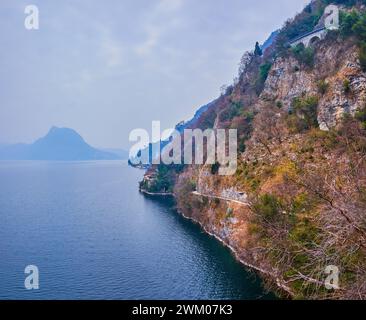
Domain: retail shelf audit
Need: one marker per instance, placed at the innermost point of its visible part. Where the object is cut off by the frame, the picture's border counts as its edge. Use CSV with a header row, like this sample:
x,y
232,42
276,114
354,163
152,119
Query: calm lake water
x,y
94,236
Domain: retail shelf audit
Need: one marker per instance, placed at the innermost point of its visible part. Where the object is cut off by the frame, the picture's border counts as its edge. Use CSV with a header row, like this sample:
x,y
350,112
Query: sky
x,y
105,68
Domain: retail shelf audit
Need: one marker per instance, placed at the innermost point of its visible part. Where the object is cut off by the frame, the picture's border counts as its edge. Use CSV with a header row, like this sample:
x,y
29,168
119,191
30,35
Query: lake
x,y
94,236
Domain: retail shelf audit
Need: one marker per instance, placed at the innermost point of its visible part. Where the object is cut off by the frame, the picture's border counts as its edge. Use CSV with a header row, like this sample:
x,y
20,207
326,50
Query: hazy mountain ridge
x,y
147,153
60,144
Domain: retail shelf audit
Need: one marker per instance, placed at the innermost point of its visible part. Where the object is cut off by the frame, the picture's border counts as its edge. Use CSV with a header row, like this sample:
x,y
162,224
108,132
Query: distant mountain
x,y
60,144
147,153
187,124
121,153
270,40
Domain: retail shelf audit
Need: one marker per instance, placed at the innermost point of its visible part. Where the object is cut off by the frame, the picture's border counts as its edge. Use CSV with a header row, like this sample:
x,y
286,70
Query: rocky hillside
x,y
297,203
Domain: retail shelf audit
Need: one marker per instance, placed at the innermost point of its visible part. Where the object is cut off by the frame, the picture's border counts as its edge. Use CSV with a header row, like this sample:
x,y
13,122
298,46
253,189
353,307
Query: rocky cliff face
x,y
336,63
297,203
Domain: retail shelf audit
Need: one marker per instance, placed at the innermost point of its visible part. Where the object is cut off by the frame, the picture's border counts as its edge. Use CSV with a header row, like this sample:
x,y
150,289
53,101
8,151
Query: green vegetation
x,y
353,24
323,87
164,179
247,177
262,76
361,116
305,56
304,114
243,123
307,20
359,25
362,55
301,24
346,86
249,116
268,206
242,146
229,212
289,224
258,51
347,21
264,71
215,168
279,104
231,112
347,3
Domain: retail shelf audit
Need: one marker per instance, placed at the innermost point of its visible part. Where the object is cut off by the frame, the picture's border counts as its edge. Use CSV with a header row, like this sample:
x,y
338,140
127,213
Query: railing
x,y
307,34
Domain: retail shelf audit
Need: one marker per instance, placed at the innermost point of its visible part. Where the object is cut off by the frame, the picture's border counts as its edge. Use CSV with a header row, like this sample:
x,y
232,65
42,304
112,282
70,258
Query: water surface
x,y
94,236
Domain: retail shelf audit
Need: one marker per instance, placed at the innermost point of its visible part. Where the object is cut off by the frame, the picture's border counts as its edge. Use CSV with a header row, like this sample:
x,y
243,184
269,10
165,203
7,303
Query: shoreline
x,y
281,286
278,282
157,194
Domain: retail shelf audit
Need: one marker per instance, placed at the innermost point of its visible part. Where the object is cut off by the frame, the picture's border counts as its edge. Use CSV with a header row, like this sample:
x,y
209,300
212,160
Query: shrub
x,y
361,116
362,56
347,21
346,86
229,212
303,23
304,233
359,30
241,145
327,139
258,51
231,112
268,206
264,71
354,24
279,104
249,116
359,26
215,168
164,179
304,114
304,55
322,86
217,201
347,3
262,76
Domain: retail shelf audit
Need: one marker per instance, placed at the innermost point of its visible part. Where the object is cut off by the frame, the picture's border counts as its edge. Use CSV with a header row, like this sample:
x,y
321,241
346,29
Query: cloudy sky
x,y
104,68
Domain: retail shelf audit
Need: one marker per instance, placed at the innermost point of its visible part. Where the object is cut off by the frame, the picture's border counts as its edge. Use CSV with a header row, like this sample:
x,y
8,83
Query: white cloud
x,y
162,18
86,53
153,35
79,81
112,51
168,6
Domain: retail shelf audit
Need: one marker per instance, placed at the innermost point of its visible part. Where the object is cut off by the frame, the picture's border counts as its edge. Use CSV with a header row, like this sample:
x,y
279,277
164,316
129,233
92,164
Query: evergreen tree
x,y
258,51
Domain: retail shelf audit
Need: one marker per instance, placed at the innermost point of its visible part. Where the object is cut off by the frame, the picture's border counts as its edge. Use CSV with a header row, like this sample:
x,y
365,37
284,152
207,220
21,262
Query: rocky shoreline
x,y
285,290
157,194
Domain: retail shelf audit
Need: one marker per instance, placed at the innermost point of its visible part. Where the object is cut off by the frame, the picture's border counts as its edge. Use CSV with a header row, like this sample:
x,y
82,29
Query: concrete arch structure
x,y
314,40
310,38
329,21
